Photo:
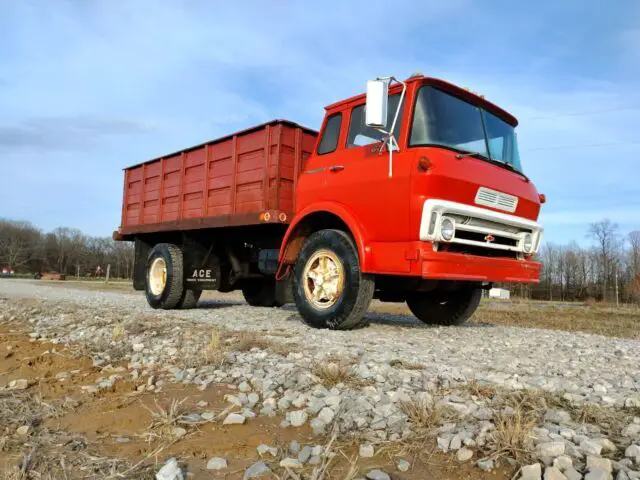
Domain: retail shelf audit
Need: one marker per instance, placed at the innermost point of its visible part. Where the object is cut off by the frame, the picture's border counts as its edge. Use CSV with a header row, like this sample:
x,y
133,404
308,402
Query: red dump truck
x,y
413,192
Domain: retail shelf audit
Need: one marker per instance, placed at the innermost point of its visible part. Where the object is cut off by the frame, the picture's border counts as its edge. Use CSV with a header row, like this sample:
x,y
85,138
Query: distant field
x,y
602,319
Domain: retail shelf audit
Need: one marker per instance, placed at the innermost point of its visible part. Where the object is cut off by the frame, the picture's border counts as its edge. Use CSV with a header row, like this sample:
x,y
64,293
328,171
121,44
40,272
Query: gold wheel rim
x,y
158,276
323,278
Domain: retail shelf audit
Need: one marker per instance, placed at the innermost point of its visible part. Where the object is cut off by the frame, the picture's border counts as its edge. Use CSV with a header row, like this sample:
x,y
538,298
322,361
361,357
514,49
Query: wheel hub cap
x,y
158,276
323,279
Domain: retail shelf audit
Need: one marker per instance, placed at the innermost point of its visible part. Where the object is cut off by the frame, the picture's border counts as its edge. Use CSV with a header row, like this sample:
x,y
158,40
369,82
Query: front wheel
x,y
329,289
445,308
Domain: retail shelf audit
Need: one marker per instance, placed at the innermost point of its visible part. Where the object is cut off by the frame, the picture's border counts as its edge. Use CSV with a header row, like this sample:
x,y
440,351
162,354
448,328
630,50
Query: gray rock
x,y
315,460
443,443
531,472
403,465
292,463
572,474
553,473
298,418
486,465
190,418
263,449
257,470
234,419
208,416
632,451
179,432
550,449
378,475
253,398
217,463
598,475
326,415
598,463
590,447
305,454
456,442
20,384
557,416
170,471
563,462
631,430
294,447
244,387
366,450
607,445
318,426
464,454
622,475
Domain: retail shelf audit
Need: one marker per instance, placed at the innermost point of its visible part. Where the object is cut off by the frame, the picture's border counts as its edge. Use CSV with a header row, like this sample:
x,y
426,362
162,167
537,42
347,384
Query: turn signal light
x,y
542,197
424,164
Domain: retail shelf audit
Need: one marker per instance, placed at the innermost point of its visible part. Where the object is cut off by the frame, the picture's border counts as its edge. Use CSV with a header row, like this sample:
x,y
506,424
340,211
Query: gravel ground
x,y
587,367
364,382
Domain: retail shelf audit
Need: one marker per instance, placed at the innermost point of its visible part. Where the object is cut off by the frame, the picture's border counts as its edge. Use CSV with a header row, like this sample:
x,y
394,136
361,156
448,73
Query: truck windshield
x,y
442,119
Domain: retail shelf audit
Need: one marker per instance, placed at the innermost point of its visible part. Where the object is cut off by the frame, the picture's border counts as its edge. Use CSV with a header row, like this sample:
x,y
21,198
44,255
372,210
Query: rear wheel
x,y
189,299
445,308
329,289
164,279
261,292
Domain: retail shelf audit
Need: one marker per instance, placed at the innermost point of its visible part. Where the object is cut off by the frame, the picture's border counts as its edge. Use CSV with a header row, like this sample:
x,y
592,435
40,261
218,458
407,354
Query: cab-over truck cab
x,y
414,192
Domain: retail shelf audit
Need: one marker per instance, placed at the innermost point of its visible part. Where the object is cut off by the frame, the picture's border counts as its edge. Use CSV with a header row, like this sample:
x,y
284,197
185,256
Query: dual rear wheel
x,y
164,285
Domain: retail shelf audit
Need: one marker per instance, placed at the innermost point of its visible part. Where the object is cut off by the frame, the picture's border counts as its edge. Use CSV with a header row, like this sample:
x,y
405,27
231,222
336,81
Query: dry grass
x,y
164,419
424,415
331,374
406,365
599,319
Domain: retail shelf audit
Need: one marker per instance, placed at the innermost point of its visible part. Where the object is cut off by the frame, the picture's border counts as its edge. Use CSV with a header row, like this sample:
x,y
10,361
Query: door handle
x,y
336,168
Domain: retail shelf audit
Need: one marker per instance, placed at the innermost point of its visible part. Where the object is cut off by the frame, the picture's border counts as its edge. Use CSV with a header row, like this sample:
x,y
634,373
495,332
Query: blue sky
x,y
89,87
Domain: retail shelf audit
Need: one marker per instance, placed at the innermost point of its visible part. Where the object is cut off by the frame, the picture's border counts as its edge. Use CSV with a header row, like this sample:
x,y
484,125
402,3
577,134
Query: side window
x,y
329,140
360,134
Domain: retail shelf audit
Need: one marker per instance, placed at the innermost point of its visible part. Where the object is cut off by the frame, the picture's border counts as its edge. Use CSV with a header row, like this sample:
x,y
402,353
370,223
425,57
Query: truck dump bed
x,y
230,181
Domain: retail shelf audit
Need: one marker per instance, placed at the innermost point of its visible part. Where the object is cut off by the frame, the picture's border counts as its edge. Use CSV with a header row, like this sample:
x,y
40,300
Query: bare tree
x,y
605,234
18,243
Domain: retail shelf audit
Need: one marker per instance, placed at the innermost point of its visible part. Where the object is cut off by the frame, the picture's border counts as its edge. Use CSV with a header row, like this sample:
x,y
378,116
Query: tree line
x,y
29,250
607,270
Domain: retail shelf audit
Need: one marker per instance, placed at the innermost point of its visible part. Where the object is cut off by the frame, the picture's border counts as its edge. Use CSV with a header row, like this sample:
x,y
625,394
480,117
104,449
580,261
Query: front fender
x,y
289,250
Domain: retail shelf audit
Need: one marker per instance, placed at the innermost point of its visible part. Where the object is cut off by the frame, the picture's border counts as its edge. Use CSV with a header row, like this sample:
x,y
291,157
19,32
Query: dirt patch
x,y
117,433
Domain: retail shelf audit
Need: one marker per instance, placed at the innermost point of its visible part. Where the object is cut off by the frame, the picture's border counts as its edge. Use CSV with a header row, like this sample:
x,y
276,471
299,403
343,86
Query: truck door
x,y
358,178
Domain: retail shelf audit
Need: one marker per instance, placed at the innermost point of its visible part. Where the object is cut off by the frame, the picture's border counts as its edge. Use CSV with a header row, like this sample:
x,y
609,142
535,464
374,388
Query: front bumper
x,y
457,266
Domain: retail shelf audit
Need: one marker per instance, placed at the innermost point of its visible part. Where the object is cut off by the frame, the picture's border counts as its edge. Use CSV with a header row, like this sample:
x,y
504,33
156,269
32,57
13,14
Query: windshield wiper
x,y
468,153
509,167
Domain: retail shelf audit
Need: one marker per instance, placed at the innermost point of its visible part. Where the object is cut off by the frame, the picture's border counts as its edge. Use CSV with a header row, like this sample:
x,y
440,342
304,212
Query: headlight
x,y
528,243
447,229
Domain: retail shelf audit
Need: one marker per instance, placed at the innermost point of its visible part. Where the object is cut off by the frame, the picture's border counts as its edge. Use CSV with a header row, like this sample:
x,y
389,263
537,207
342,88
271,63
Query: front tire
x,y
445,308
329,289
164,279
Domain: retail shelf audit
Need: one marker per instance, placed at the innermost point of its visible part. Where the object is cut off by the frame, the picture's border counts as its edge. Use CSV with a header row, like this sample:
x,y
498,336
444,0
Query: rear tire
x,y
189,299
445,308
260,292
164,278
329,289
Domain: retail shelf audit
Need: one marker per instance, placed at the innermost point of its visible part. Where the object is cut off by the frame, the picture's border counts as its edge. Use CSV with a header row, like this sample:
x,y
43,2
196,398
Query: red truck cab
x,y
450,212
413,192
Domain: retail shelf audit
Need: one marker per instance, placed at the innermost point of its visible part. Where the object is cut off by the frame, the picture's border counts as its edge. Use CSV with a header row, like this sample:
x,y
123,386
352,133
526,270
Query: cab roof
x,y
463,93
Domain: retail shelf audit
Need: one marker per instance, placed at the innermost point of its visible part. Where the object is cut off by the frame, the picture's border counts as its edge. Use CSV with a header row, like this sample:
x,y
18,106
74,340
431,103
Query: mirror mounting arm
x,y
389,140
